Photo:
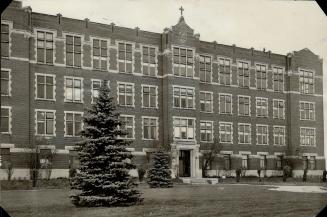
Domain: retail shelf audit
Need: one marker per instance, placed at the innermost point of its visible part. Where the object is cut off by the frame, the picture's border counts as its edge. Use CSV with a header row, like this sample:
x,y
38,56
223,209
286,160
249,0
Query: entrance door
x,y
184,163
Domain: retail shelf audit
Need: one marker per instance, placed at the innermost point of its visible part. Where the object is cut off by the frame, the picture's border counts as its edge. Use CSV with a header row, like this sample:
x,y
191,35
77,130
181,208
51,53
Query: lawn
x,y
182,200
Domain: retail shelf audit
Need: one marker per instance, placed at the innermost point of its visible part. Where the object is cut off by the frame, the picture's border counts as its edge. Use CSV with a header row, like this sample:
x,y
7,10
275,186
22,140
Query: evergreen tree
x,y
104,178
159,176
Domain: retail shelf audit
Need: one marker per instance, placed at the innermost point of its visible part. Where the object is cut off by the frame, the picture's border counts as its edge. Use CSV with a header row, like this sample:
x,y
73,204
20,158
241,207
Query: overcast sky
x,y
279,26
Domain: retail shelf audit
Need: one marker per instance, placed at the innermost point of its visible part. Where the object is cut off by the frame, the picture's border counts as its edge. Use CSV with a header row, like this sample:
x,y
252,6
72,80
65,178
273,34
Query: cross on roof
x,y
181,9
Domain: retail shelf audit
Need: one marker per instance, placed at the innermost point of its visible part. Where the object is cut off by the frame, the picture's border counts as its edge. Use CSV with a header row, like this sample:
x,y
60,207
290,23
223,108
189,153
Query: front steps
x,y
211,181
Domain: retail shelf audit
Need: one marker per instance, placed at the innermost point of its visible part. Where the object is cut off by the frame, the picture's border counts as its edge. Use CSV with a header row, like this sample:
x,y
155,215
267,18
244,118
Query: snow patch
x,y
302,189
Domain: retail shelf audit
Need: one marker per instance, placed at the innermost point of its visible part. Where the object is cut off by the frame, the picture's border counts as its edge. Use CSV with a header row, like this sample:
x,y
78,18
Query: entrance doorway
x,y
184,163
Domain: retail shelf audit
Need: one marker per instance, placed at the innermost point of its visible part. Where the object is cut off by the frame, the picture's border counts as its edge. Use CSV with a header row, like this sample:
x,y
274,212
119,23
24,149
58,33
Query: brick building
x,y
171,88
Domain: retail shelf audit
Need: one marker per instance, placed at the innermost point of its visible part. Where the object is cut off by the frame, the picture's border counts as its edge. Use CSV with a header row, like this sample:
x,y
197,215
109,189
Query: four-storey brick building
x,y
171,88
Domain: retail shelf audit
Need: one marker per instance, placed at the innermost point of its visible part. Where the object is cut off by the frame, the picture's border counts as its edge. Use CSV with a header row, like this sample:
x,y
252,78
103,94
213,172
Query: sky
x,y
278,25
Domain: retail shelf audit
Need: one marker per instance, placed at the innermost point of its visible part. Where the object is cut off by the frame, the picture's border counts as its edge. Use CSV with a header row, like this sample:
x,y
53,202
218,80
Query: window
x,y
150,97
206,101
5,83
263,162
261,71
225,103
149,61
262,134
183,62
307,136
184,128
244,105
279,162
45,87
150,128
125,94
224,71
4,157
227,162
307,111
226,132
312,162
100,54
96,84
4,40
45,122
205,69
73,51
279,135
73,123
245,161
306,82
305,162
184,97
127,126
206,130
244,133
262,107
125,57
73,89
243,74
44,47
5,119
278,109
278,79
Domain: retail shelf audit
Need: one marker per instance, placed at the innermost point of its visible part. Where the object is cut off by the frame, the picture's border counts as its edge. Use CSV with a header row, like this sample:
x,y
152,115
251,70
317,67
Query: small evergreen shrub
x,y
159,175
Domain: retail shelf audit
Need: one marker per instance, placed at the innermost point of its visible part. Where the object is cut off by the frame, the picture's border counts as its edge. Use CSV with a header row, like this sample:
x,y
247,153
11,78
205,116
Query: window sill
x,y
46,135
244,143
73,102
227,143
149,107
263,144
230,114
184,108
40,99
244,115
206,112
70,136
126,106
6,133
149,139
5,95
46,64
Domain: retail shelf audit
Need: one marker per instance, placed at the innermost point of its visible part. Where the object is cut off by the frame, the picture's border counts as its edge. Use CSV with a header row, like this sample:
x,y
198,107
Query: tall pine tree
x,y
105,162
159,175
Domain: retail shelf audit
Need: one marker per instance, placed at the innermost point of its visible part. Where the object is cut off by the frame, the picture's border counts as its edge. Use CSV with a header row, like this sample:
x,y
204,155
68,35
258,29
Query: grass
x,y
182,200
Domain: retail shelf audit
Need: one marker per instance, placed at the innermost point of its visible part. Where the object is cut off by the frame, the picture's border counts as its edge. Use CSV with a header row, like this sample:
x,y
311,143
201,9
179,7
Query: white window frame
x,y
249,134
133,127
257,99
263,161
179,65
100,58
133,94
54,36
149,86
231,103
205,68
243,69
53,87
157,127
238,103
212,131
279,135
82,89
125,61
308,137
276,114
226,133
54,122
10,28
219,58
10,119
302,110
261,134
205,102
194,129
155,65
273,75
245,158
65,119
65,34
9,82
301,72
256,75
187,88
